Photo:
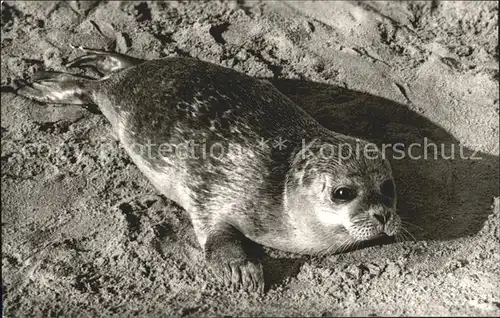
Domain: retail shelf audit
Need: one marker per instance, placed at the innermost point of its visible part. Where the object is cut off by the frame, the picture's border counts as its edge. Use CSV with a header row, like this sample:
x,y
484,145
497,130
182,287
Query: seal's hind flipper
x,y
104,62
55,87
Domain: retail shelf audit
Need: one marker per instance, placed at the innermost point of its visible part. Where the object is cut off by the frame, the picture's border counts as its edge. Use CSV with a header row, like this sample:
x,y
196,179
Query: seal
x,y
250,167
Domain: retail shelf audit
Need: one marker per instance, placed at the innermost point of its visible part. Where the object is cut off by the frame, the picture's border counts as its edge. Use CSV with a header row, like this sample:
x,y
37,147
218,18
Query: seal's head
x,y
339,192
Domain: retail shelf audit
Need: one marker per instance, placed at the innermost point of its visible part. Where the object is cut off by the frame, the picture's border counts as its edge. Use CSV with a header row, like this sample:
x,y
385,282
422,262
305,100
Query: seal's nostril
x,y
381,218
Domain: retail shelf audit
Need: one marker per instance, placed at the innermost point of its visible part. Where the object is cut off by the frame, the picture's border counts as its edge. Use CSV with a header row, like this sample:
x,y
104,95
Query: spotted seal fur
x,y
206,135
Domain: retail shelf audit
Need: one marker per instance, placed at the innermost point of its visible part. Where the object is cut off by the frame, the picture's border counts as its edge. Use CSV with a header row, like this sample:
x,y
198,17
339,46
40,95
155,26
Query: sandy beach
x,y
84,233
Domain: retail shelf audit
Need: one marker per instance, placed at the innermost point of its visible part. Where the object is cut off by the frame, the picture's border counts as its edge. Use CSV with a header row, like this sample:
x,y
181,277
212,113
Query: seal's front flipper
x,y
235,259
104,62
58,88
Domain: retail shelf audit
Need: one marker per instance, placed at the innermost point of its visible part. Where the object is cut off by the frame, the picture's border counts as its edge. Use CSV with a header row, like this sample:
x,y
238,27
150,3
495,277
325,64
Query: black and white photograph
x,y
250,158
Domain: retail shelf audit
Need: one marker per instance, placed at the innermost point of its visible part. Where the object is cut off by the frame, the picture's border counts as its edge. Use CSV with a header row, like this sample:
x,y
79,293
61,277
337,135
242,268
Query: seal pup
x,y
206,137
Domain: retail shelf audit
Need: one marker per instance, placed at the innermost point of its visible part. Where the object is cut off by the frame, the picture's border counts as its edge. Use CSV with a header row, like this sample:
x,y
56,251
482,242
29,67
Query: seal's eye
x,y
344,194
387,188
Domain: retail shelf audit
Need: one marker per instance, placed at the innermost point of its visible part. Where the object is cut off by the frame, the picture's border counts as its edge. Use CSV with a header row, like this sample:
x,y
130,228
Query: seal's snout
x,y
393,226
382,216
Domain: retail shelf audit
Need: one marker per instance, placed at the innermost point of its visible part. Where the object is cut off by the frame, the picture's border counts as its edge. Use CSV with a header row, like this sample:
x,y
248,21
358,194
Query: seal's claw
x,y
234,260
235,276
241,275
252,276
